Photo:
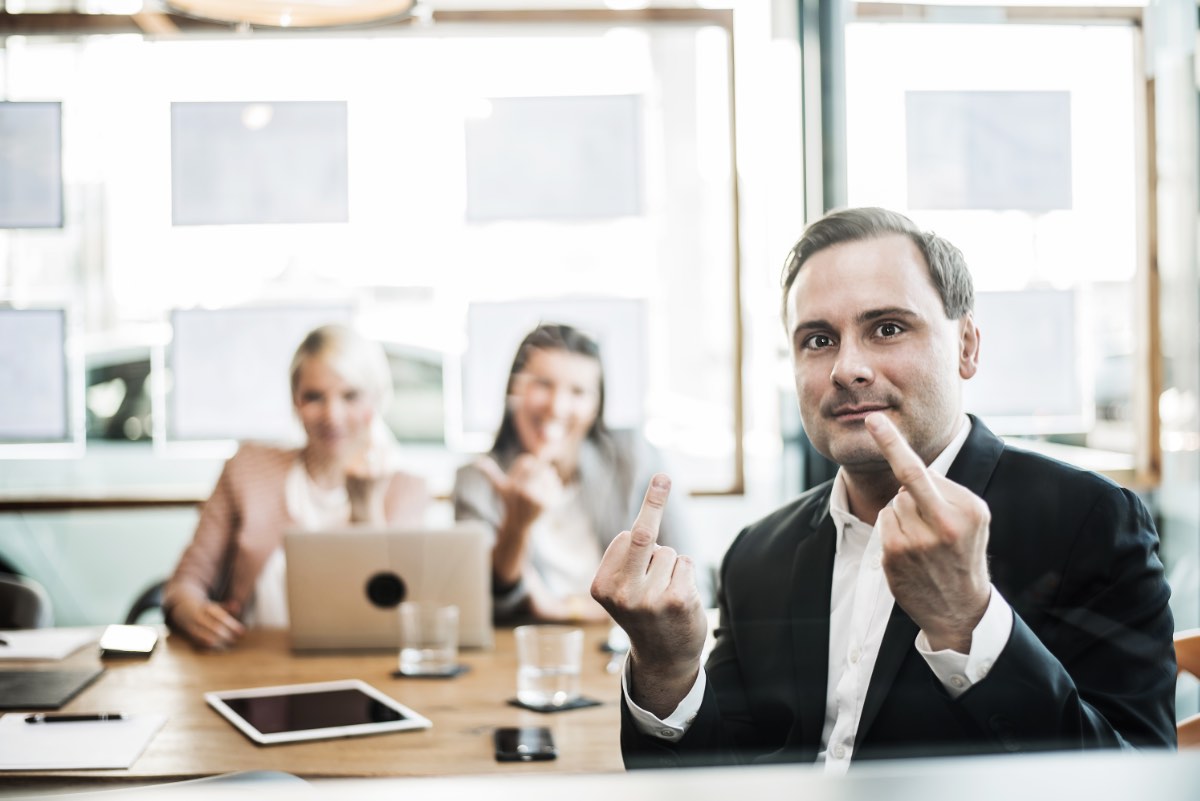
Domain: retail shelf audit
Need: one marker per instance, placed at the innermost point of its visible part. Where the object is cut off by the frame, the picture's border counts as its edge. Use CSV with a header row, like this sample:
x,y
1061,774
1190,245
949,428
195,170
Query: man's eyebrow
x,y
865,317
888,311
810,325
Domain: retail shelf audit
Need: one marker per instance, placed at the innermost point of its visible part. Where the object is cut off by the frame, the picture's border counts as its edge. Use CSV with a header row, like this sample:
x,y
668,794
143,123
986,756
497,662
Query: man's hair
x,y
549,336
947,267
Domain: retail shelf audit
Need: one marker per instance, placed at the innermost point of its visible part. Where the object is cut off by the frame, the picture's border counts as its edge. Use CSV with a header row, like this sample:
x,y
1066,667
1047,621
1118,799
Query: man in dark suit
x,y
943,594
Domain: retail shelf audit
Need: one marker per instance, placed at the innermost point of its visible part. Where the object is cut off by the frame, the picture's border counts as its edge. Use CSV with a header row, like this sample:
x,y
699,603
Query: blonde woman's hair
x,y
359,361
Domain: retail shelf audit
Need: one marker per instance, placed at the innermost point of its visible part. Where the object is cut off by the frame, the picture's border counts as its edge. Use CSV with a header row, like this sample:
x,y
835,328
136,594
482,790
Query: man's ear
x,y
968,354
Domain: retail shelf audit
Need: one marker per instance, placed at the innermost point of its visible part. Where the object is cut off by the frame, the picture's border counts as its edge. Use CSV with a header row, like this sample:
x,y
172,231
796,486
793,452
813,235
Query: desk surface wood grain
x,y
196,741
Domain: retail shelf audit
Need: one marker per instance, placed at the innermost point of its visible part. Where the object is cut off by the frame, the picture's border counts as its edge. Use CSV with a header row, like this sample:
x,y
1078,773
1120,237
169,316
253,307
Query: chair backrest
x,y
24,603
150,599
1187,655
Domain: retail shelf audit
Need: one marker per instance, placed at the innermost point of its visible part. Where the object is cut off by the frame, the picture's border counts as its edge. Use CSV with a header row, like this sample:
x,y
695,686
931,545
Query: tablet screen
x,y
311,711
316,710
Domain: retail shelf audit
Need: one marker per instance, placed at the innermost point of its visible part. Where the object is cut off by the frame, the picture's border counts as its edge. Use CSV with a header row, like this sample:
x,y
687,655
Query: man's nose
x,y
852,367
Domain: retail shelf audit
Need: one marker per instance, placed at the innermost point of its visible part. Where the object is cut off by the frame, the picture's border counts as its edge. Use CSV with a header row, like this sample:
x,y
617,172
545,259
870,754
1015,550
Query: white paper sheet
x,y
74,746
56,643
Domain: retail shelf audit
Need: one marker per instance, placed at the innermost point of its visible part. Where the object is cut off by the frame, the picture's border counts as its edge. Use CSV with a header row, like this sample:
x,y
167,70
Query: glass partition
x,y
1029,155
480,164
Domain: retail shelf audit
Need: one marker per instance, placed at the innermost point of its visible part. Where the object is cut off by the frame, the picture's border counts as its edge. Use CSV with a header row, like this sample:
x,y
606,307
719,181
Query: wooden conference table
x,y
454,758
196,741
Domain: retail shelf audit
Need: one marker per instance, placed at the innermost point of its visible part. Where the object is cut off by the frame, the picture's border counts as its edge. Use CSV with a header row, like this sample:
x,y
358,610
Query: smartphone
x,y
128,641
524,744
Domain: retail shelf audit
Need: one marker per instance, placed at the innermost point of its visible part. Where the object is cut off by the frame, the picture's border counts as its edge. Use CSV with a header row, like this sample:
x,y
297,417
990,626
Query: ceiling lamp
x,y
295,13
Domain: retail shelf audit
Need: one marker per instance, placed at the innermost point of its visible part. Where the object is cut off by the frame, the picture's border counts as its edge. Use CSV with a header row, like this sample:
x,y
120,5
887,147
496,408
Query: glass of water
x,y
428,638
548,662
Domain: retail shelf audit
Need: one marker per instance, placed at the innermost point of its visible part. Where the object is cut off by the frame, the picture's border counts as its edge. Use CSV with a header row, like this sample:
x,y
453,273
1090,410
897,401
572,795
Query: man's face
x,y
869,333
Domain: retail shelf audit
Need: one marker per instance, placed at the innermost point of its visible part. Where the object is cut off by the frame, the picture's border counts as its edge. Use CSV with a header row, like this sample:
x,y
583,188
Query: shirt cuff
x,y
959,672
677,723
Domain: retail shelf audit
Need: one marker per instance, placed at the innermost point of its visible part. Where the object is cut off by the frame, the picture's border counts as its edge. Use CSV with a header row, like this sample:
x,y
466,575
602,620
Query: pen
x,y
42,717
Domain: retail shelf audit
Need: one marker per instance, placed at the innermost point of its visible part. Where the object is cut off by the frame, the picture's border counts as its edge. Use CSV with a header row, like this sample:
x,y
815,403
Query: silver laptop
x,y
344,584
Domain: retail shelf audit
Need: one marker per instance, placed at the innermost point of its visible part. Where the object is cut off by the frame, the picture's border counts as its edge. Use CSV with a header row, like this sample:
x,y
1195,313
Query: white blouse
x,y
310,507
564,550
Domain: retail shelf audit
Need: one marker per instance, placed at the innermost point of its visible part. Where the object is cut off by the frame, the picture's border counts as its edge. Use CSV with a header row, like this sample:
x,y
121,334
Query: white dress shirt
x,y
860,605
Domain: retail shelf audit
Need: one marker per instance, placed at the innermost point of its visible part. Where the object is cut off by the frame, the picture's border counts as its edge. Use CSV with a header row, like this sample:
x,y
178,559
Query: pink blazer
x,y
243,523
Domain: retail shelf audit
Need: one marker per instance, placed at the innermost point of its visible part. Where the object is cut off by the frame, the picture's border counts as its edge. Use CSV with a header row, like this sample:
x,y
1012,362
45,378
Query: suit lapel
x,y
812,582
975,463
972,468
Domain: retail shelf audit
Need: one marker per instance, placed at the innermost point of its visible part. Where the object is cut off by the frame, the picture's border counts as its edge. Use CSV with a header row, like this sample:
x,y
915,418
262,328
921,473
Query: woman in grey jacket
x,y
557,485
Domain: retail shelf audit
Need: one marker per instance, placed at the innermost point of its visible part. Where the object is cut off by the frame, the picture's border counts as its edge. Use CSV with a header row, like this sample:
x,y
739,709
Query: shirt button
x,y
982,670
839,752
855,654
670,733
958,682
876,562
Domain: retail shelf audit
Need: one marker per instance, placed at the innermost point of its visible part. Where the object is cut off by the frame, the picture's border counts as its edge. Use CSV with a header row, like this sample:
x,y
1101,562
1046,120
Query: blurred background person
x,y
233,573
557,485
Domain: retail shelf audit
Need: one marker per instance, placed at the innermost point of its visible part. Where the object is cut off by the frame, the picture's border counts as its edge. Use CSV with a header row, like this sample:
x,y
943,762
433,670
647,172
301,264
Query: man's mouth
x,y
856,412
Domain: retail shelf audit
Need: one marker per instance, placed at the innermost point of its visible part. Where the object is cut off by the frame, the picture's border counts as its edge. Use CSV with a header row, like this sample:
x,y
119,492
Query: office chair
x,y
1187,654
24,603
151,598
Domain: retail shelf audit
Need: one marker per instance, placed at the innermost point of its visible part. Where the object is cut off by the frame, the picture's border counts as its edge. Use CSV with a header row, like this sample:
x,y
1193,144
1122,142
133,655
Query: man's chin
x,y
859,458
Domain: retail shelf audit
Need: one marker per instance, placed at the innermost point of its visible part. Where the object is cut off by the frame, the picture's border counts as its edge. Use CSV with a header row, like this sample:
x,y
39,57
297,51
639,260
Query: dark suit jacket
x,y
1090,662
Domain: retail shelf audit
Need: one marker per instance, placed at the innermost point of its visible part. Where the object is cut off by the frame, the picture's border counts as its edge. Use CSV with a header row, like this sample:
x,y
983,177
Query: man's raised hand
x,y
934,535
650,591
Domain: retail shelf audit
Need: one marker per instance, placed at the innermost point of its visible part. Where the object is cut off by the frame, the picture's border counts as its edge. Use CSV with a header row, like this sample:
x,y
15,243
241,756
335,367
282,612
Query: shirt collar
x,y
839,504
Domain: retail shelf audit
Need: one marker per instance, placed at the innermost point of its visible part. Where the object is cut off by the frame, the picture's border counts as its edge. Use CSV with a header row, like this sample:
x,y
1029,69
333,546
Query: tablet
x,y
348,708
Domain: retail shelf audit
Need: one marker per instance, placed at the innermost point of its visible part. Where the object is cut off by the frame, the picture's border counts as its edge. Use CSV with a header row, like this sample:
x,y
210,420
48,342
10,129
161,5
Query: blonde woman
x,y
232,575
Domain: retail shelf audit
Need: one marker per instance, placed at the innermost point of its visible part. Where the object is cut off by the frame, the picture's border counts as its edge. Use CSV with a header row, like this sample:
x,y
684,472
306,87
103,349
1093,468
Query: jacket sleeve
x,y
1100,672
203,568
475,499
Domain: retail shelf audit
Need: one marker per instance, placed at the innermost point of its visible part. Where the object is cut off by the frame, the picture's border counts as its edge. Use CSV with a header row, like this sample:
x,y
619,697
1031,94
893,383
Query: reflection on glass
x,y
415,246
1029,165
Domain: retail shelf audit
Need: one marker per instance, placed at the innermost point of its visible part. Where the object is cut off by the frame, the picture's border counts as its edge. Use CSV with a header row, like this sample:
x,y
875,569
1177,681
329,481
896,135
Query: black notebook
x,y
43,689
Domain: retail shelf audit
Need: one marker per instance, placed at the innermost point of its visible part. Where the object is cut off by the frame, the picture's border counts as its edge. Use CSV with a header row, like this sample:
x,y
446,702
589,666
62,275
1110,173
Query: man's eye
x,y
817,342
889,330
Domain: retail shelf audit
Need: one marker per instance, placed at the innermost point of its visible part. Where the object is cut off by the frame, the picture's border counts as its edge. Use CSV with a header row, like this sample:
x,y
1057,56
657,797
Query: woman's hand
x,y
547,606
529,486
572,609
367,480
207,623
